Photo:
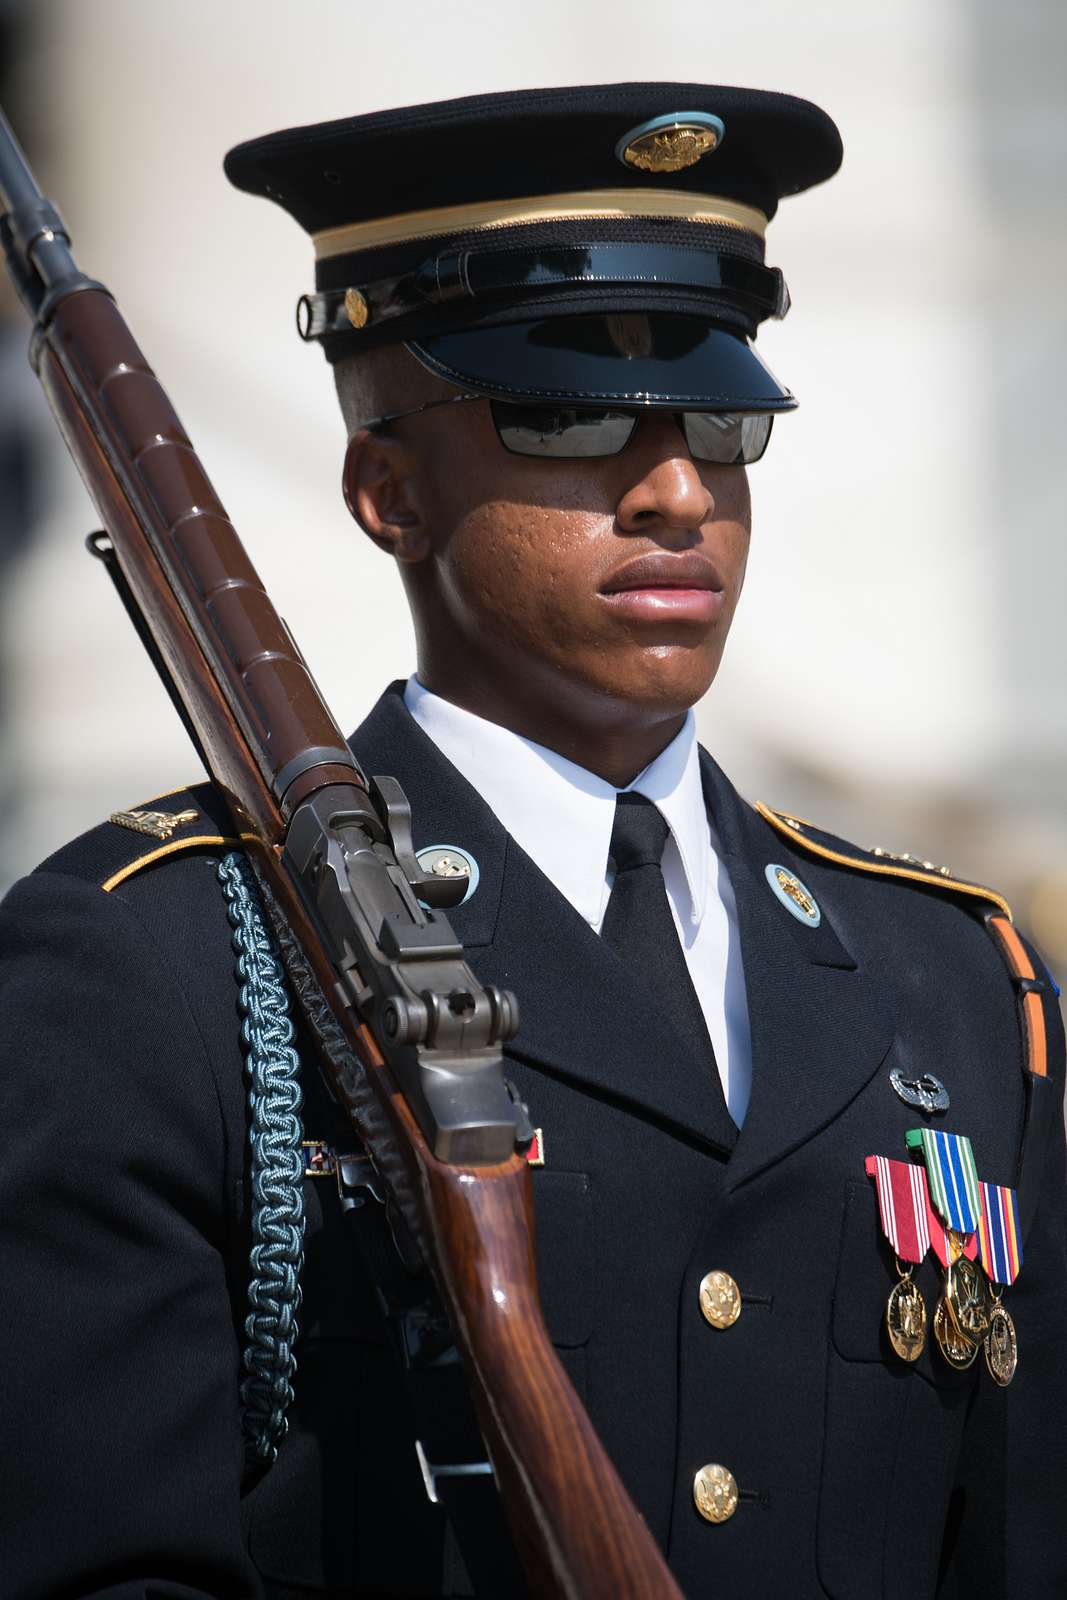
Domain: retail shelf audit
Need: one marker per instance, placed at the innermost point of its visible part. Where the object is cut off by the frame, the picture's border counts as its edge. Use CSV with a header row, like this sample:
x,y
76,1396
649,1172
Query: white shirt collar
x,y
559,813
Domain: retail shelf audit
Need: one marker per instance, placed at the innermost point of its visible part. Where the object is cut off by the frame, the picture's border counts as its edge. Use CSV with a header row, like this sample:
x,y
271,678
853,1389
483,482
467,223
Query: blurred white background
x,y
897,672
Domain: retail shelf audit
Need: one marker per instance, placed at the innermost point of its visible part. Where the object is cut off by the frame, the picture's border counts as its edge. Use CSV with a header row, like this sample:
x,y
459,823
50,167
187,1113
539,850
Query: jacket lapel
x,y
821,1024
582,1015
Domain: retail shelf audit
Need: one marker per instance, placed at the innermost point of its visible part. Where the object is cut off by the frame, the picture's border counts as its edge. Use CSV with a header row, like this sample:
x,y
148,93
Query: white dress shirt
x,y
562,816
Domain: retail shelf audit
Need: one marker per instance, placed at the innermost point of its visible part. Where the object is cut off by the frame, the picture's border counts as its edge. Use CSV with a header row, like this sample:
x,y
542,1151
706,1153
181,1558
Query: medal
x,y
1001,1254
1001,1350
967,1297
905,1317
957,1350
903,1207
965,1309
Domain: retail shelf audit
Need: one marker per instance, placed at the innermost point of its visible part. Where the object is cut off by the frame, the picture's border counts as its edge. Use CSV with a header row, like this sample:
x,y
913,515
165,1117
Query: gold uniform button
x,y
715,1493
720,1299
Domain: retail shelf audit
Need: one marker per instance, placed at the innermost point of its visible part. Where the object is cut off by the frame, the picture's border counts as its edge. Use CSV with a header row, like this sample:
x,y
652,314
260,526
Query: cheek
x,y
523,571
525,567
730,534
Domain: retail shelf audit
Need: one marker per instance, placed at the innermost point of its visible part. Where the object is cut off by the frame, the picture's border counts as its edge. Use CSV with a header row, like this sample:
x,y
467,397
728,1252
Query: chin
x,y
662,682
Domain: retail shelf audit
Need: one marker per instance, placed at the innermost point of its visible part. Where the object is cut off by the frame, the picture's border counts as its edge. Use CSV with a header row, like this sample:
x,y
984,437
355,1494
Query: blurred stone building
x,y
897,669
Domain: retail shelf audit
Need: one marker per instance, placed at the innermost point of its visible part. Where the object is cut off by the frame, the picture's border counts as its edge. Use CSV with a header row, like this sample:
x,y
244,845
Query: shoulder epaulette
x,y
173,823
1029,987
806,836
181,821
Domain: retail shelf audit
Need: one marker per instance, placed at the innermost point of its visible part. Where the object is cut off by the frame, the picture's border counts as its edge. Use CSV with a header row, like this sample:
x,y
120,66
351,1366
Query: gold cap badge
x,y
671,143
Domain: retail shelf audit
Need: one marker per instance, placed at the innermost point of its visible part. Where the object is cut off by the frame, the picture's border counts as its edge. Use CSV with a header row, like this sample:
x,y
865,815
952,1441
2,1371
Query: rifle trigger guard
x,y
357,1181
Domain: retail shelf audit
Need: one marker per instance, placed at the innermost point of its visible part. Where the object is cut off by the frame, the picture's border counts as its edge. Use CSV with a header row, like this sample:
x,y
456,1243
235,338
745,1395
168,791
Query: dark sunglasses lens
x,y
726,438
565,432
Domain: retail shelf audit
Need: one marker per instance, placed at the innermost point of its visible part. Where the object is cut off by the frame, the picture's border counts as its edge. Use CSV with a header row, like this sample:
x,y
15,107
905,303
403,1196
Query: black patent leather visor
x,y
658,359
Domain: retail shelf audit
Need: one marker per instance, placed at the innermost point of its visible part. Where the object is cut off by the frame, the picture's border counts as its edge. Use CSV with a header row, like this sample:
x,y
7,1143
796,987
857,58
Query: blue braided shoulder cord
x,y
272,1069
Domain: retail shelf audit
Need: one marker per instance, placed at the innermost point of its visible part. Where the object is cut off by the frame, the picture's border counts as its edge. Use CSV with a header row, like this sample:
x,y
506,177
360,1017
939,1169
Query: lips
x,y
660,571
665,588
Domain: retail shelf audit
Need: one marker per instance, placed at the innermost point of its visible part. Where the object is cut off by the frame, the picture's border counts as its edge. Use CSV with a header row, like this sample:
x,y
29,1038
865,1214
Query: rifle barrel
x,y
34,235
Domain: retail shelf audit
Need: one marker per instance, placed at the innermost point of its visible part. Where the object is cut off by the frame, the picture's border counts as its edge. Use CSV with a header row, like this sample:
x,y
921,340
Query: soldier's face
x,y
605,581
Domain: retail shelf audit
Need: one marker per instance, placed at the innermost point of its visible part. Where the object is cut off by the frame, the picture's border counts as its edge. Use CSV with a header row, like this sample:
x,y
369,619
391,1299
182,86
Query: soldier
x,y
798,1104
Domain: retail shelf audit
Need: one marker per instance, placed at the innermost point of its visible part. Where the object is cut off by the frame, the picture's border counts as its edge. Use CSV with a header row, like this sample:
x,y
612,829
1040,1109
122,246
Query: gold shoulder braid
x,y
879,861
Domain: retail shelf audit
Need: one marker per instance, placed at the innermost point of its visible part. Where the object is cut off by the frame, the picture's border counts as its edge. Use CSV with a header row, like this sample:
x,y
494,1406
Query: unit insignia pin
x,y
449,861
904,1211
928,1093
797,899
157,824
671,143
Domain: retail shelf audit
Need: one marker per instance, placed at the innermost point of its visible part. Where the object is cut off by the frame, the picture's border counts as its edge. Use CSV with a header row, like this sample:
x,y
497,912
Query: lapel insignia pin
x,y
449,861
797,899
535,1155
157,824
671,143
927,1092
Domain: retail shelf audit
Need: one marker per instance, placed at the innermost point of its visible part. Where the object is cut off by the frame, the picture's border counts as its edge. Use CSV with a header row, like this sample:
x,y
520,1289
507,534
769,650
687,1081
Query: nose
x,y
665,488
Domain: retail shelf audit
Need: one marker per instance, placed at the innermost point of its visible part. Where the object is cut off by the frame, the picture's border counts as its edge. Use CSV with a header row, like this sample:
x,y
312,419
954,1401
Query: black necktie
x,y
640,928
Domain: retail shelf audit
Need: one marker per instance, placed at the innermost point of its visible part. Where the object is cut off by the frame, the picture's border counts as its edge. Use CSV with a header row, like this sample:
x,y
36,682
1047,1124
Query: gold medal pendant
x,y
905,1317
1001,1348
957,1350
968,1298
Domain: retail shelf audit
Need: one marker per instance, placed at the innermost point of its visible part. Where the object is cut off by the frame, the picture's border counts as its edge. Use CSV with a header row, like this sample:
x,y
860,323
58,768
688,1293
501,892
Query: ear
x,y
381,489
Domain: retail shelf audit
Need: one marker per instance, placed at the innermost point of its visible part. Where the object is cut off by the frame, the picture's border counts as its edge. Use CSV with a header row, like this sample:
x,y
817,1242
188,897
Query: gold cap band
x,y
587,204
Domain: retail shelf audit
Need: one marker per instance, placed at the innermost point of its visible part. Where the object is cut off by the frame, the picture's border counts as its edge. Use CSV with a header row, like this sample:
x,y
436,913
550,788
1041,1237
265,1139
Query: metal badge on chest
x,y
794,895
449,861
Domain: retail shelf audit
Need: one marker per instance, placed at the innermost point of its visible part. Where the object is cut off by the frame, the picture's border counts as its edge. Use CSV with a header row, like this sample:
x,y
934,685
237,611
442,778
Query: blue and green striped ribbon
x,y
951,1174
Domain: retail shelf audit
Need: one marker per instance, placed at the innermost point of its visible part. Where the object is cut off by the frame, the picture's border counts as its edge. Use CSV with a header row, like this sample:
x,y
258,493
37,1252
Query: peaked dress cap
x,y
583,244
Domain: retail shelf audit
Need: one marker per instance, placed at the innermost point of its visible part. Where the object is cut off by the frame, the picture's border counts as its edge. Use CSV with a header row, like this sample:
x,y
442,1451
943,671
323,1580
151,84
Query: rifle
x,y
409,1040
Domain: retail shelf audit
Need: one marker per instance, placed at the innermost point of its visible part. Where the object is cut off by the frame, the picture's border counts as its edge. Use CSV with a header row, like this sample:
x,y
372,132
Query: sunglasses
x,y
726,438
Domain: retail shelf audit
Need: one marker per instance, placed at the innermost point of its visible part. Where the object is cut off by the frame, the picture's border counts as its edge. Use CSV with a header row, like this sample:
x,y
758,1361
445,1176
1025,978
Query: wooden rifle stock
x,y
279,758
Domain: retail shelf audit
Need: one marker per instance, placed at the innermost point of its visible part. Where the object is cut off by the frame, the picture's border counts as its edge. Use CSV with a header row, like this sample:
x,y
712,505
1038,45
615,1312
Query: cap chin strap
x,y
747,289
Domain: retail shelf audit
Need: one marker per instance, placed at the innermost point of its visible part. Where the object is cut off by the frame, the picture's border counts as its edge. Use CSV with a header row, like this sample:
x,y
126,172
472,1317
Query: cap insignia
x,y
671,143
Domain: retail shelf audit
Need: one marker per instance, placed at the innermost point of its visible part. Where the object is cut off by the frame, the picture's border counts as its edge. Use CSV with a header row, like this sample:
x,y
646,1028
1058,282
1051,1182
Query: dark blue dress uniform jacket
x,y
124,1217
